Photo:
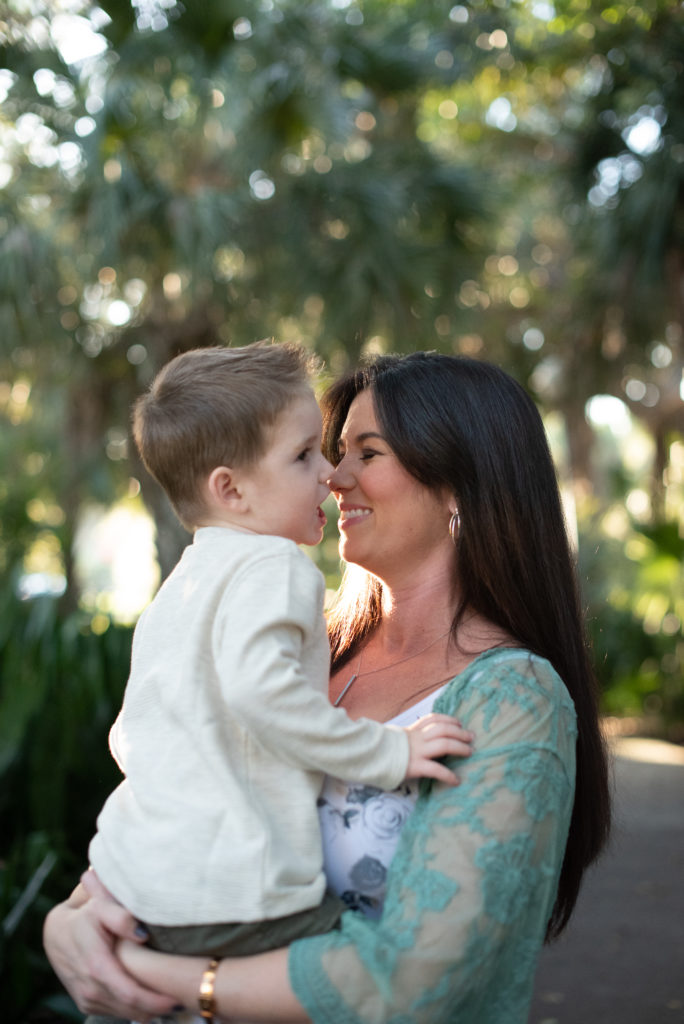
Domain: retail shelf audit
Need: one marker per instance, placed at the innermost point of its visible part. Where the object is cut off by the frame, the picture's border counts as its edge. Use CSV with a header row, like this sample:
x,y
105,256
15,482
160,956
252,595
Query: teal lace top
x,y
472,884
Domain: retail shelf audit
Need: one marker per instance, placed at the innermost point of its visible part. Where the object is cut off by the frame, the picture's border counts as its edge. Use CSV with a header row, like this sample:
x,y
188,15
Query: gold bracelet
x,y
207,1003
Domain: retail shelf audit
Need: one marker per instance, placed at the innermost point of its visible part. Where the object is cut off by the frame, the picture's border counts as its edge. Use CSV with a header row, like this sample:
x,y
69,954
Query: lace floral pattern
x,y
474,876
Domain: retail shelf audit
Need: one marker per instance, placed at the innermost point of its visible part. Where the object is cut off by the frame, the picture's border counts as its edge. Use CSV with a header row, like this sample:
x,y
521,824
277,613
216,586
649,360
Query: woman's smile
x,y
406,523
352,515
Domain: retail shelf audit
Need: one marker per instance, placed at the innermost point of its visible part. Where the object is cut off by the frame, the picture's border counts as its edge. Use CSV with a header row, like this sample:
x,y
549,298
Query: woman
x,y
461,593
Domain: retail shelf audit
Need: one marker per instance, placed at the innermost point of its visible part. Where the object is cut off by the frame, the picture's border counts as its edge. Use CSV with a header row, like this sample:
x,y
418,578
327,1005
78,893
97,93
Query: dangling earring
x,y
455,525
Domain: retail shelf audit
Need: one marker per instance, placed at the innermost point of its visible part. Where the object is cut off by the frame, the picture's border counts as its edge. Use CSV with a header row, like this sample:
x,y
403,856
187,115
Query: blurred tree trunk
x,y
170,537
338,175
86,416
580,440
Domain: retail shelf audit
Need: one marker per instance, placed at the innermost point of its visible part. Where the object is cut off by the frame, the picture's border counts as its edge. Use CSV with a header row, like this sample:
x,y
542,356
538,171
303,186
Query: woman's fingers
x,y
108,989
79,946
111,914
91,883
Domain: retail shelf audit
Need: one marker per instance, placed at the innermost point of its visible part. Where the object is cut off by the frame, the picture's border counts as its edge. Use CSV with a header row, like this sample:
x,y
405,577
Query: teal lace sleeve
x,y
473,881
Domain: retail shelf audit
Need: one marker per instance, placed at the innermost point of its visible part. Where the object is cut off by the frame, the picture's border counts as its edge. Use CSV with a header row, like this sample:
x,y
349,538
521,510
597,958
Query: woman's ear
x,y
451,501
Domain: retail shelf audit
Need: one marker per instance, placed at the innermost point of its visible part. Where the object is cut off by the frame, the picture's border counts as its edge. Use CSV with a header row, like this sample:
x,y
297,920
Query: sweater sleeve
x,y
272,660
473,882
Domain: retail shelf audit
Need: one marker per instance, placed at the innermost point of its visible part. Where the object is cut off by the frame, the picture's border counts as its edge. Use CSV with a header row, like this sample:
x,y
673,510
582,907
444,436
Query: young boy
x,y
226,730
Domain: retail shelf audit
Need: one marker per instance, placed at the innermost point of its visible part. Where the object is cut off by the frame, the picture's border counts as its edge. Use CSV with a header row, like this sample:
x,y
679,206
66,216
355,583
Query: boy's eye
x,y
303,455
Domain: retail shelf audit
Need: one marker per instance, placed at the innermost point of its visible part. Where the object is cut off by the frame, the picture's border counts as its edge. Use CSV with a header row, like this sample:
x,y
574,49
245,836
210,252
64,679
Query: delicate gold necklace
x,y
383,668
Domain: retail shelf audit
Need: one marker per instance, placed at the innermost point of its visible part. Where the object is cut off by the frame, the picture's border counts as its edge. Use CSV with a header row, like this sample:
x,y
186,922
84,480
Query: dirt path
x,y
621,960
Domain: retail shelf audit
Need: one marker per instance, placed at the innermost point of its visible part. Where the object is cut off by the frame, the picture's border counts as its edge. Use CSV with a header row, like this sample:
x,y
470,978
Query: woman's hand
x,y
79,936
176,974
250,988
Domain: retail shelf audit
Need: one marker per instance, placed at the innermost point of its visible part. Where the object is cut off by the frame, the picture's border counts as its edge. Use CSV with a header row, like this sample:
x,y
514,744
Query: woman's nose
x,y
337,477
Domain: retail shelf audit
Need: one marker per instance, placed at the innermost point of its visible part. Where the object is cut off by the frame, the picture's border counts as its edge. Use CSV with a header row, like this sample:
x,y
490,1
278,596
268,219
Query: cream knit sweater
x,y
224,737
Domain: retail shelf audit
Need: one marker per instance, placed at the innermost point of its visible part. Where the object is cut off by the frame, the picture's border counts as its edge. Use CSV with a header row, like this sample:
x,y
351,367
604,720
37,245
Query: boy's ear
x,y
222,487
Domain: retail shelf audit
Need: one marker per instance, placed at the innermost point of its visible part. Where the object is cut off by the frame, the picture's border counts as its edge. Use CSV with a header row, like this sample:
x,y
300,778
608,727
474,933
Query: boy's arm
x,y
271,625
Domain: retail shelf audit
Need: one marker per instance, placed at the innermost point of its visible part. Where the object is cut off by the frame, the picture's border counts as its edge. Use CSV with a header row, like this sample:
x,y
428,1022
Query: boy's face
x,y
285,488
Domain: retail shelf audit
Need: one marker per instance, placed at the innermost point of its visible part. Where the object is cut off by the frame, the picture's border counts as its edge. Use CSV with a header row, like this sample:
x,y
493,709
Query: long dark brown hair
x,y
467,427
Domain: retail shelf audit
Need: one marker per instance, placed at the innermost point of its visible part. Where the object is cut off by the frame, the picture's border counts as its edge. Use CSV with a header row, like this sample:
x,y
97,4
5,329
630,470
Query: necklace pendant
x,y
338,699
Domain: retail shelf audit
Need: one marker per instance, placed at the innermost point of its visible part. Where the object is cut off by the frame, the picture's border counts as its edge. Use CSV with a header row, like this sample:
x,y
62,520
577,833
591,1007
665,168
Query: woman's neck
x,y
414,613
411,651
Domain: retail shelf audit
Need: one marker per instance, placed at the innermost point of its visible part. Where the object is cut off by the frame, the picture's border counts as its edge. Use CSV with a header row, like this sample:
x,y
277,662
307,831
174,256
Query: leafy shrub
x,y
60,689
634,591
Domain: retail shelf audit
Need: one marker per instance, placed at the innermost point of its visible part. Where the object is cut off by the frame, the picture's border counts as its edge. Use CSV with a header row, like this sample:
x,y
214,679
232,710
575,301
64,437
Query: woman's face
x,y
389,522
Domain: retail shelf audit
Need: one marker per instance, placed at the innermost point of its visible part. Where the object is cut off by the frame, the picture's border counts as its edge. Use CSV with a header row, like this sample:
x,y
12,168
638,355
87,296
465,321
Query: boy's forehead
x,y
301,418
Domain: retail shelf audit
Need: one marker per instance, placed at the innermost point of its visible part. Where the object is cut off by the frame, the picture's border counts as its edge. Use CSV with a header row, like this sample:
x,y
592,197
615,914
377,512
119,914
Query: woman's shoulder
x,y
510,670
510,692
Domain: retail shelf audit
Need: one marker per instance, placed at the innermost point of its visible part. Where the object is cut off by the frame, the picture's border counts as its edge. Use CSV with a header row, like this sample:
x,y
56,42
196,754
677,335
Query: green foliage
x,y
359,176
635,605
362,175
61,687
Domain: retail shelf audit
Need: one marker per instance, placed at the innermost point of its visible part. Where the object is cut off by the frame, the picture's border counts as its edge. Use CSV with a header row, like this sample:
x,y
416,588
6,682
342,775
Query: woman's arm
x,y
470,893
254,988
92,944
472,884
79,937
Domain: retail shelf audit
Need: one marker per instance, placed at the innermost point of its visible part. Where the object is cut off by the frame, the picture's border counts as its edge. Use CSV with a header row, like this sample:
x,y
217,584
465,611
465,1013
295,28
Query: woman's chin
x,y
344,547
353,554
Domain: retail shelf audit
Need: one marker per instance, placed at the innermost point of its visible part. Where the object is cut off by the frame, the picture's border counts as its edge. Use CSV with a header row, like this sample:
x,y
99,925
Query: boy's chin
x,y
314,538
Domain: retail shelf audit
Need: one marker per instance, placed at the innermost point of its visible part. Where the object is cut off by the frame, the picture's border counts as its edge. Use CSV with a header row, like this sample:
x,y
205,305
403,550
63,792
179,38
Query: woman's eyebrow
x,y
360,438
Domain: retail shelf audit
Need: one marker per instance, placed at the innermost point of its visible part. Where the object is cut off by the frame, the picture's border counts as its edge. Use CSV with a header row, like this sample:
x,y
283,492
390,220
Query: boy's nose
x,y
327,469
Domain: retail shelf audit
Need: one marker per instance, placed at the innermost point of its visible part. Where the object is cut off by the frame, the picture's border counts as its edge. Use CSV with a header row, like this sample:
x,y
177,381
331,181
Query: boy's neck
x,y
224,524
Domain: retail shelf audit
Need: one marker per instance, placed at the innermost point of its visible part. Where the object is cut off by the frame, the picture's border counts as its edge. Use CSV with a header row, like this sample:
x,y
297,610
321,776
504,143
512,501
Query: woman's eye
x,y
363,455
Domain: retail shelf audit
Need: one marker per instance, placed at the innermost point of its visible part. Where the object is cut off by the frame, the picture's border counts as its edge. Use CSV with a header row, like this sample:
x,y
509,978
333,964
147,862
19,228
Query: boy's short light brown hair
x,y
212,407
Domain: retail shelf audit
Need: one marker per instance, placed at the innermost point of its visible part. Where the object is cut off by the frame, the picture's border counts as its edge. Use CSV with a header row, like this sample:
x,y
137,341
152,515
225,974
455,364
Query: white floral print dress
x,y
361,825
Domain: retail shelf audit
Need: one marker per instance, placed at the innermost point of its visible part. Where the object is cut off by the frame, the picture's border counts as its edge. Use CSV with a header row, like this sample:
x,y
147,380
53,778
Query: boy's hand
x,y
436,736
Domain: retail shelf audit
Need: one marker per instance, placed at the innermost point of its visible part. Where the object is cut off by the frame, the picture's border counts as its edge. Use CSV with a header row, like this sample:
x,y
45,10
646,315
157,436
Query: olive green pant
x,y
240,939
